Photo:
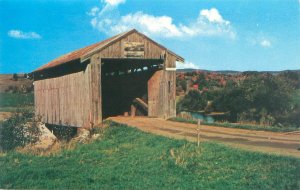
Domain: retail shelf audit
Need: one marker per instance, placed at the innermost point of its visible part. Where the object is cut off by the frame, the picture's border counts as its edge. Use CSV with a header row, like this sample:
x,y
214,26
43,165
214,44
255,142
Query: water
x,y
201,116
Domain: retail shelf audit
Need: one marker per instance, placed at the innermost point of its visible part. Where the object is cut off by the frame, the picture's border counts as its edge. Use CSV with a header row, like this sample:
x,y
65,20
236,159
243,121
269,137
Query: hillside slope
x,y
18,84
126,158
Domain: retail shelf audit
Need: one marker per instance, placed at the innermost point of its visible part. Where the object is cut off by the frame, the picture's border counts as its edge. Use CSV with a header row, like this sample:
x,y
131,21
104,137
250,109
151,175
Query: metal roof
x,y
86,52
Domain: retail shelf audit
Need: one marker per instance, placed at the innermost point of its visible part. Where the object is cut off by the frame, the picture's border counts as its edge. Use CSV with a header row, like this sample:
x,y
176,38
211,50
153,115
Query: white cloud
x,y
208,23
260,41
109,7
186,65
114,2
213,16
265,43
151,25
93,11
23,35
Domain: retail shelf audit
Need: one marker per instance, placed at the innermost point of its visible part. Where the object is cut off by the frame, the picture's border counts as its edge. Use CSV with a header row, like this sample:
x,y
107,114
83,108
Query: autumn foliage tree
x,y
260,98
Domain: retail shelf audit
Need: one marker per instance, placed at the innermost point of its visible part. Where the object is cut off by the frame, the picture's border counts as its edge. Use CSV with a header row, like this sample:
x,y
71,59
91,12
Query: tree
x,y
293,77
193,101
268,92
201,81
231,100
183,84
15,77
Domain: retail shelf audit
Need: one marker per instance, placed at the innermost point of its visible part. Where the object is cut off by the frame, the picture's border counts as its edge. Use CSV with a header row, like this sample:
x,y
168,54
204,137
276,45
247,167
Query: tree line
x,y
262,98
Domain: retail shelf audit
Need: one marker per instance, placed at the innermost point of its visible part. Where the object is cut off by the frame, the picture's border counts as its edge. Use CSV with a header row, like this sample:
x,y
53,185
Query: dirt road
x,y
264,141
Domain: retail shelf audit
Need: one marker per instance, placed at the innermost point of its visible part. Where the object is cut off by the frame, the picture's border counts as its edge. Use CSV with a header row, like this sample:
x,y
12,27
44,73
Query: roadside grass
x,y
126,158
238,126
10,102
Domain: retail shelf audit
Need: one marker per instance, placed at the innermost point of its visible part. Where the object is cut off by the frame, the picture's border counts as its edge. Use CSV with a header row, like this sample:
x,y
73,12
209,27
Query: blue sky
x,y
213,34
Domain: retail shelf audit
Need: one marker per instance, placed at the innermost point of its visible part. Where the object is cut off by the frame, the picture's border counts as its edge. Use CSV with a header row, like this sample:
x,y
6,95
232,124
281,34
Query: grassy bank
x,y
9,102
16,99
238,126
131,159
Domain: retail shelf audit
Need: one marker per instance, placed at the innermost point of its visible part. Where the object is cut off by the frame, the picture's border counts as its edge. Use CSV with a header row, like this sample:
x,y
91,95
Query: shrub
x,y
12,89
183,84
15,77
290,119
19,130
193,101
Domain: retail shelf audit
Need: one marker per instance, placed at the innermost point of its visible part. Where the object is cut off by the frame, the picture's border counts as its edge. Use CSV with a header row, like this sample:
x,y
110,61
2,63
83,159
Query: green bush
x,y
193,101
19,130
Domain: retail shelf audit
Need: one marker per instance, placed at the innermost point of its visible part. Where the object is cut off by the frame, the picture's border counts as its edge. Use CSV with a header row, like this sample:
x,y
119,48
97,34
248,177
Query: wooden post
x,y
133,110
198,132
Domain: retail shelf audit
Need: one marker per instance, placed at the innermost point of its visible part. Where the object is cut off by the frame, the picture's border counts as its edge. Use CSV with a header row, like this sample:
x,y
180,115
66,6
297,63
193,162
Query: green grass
x,y
126,158
11,101
238,126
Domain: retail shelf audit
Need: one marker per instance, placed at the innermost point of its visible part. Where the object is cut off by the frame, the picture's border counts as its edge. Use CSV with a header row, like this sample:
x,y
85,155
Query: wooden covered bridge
x,y
126,74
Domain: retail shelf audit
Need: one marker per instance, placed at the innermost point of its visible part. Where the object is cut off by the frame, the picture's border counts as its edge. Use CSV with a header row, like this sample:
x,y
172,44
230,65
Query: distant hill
x,y
208,71
15,83
230,71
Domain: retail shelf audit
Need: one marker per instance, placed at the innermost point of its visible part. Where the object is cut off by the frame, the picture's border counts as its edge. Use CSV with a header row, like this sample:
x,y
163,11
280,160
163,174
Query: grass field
x,y
11,101
130,159
238,126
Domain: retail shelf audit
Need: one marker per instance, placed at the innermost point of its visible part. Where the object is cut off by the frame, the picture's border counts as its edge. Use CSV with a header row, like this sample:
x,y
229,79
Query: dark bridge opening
x,y
124,81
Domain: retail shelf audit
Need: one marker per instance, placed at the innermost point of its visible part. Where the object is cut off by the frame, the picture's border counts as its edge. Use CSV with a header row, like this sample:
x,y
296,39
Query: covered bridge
x,y
126,74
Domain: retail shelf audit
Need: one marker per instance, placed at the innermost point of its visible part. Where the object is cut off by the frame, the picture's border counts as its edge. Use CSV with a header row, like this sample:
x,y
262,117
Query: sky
x,y
241,35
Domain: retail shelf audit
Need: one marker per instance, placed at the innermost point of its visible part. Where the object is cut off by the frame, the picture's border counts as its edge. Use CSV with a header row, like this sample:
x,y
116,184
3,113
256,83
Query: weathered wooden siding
x,y
95,91
162,91
170,87
155,94
64,100
116,50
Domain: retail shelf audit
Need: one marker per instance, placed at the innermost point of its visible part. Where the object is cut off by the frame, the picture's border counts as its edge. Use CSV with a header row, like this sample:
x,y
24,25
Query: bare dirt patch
x,y
5,115
263,141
